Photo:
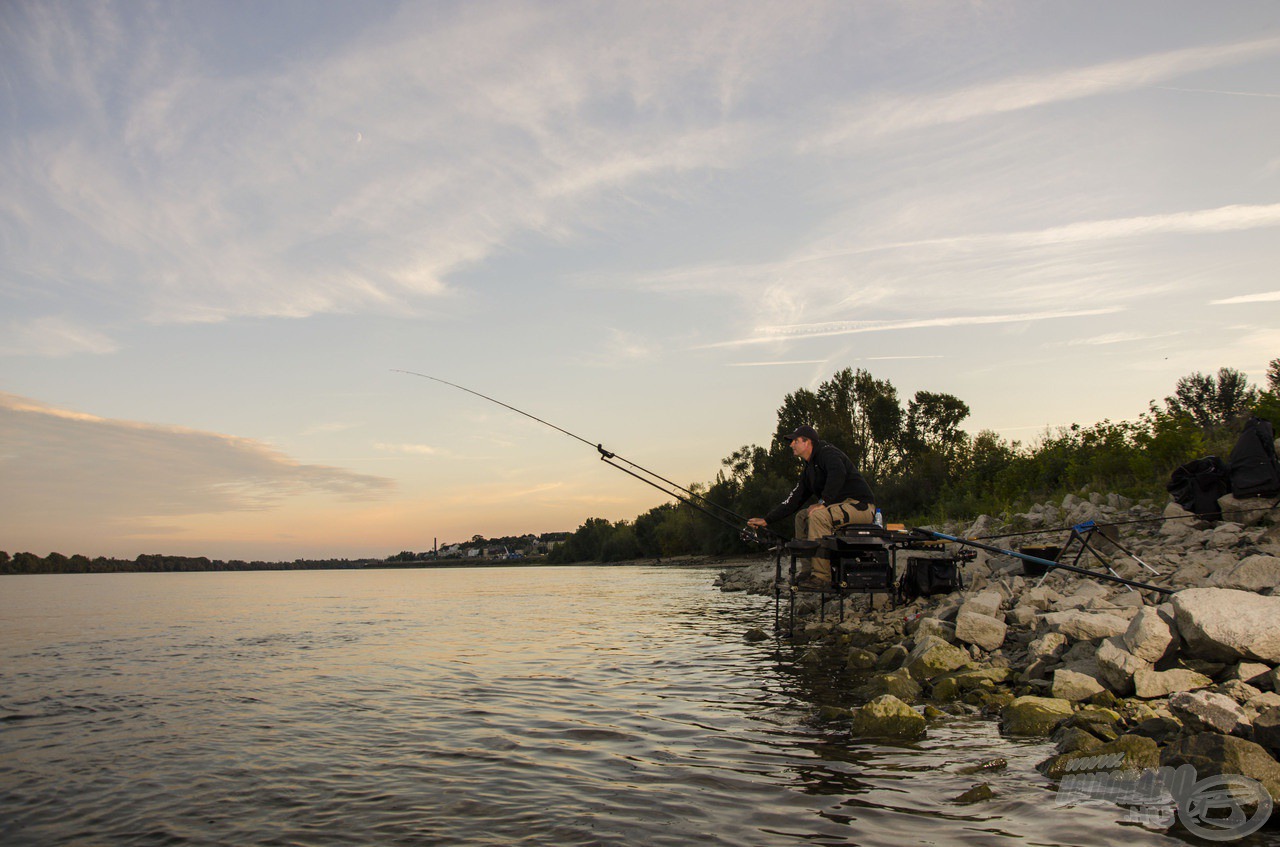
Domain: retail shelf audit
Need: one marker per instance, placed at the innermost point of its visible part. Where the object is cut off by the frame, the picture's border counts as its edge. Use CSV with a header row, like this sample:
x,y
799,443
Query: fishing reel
x,y
763,536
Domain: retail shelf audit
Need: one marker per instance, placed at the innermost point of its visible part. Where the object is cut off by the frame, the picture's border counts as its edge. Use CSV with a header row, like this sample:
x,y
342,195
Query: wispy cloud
x,y
824,329
1116,338
53,336
1264,297
72,472
891,115
410,449
776,364
1231,218
367,177
1218,91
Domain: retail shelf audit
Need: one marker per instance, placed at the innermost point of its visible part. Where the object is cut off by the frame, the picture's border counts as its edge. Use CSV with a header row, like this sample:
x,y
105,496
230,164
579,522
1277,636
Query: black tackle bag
x,y
925,577
1254,469
1197,485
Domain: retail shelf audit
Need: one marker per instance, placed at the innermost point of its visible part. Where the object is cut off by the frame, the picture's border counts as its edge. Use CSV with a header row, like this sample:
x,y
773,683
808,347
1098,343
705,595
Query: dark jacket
x,y
830,476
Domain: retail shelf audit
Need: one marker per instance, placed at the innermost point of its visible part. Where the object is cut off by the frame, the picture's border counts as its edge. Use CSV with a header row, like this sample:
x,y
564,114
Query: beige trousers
x,y
822,522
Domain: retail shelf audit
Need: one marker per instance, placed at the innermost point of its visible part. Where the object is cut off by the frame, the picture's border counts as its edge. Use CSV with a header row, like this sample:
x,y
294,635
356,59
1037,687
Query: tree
x,y
933,424
1273,376
860,414
1213,403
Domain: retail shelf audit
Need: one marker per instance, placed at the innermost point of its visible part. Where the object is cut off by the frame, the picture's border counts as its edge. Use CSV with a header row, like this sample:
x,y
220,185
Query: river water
x,y
497,706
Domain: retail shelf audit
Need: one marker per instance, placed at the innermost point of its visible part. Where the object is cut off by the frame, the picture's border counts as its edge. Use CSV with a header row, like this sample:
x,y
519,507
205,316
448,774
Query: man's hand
x,y
758,522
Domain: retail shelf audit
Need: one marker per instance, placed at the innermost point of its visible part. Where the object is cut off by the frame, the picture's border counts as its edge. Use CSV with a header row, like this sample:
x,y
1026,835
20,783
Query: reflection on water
x,y
503,706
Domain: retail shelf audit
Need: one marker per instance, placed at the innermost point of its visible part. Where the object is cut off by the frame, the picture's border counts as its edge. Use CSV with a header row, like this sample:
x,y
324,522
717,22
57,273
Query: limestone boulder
x,y
1253,673
982,630
1034,716
1086,626
1150,635
986,602
1244,512
1074,686
888,717
897,683
1266,729
1131,752
1151,684
1117,666
1214,754
1228,625
1081,595
1051,645
1207,711
1225,536
933,626
1041,597
1253,573
932,657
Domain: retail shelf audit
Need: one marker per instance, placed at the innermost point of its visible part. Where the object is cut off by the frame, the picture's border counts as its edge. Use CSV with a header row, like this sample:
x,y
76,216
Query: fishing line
x,y
606,456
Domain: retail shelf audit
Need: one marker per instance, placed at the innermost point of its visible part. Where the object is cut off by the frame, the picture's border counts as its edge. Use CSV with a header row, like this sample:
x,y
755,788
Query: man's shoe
x,y
812,583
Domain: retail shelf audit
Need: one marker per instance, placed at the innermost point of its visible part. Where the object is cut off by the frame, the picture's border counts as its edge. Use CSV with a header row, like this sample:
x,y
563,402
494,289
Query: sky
x,y
226,227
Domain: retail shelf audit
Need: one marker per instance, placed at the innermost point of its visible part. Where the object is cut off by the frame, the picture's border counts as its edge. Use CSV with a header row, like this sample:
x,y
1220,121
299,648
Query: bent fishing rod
x,y
641,473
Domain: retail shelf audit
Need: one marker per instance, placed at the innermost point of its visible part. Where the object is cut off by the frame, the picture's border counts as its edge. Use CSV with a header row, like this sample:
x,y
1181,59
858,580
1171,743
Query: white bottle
x,y
879,519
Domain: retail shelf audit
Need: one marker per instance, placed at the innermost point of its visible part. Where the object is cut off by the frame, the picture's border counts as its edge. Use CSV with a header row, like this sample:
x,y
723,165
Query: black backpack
x,y
1254,469
926,576
1197,485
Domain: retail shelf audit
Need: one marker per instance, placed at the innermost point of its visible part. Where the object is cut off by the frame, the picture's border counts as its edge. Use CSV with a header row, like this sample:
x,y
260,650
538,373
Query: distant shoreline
x,y
181,564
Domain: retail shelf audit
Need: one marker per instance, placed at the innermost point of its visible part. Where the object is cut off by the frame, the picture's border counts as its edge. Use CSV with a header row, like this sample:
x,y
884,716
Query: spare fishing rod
x,y
1045,563
641,473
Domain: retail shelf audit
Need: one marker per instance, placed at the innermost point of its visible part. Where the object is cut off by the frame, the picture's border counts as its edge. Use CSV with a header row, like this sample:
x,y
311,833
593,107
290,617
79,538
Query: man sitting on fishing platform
x,y
844,497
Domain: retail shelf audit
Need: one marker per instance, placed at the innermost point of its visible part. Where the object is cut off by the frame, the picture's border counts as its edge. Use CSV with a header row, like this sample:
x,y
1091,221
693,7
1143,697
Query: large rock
x,y
888,717
1149,636
1034,716
1150,684
1128,752
1081,595
1243,512
898,683
1117,666
933,626
986,602
1206,711
983,630
1041,598
1254,673
952,685
1213,754
1051,645
1253,573
932,657
1074,686
1229,625
1086,626
1266,729
1225,536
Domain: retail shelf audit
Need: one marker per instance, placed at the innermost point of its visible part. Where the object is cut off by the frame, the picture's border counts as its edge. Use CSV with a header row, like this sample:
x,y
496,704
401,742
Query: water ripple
x,y
572,706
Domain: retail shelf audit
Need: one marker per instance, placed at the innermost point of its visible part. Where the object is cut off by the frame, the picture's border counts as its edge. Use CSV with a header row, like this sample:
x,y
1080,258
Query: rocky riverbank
x,y
1117,678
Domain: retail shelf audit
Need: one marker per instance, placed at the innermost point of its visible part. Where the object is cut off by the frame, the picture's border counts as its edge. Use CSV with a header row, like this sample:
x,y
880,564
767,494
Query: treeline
x,y
29,563
925,469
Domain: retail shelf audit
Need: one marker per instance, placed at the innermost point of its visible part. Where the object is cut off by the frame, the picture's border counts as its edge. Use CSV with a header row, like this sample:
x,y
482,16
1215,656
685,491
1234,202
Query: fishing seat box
x,y
860,560
1040,552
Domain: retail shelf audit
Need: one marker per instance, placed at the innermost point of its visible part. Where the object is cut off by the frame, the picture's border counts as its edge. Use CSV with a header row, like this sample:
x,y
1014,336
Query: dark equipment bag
x,y
1255,472
926,576
1197,485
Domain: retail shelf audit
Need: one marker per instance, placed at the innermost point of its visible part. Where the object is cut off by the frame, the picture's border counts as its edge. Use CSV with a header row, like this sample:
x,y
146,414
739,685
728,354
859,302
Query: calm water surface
x,y
490,707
